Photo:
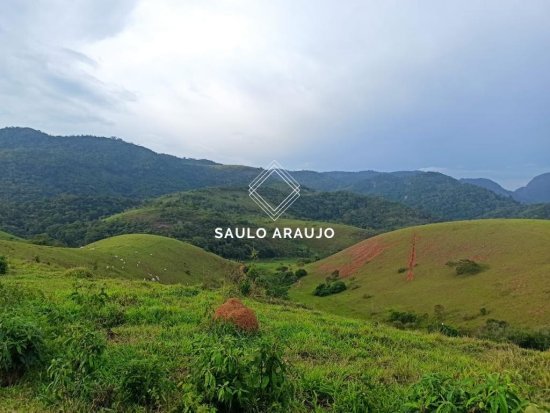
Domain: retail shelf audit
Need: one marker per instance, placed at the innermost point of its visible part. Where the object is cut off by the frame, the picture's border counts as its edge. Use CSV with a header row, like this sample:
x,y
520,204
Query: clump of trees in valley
x,y
332,285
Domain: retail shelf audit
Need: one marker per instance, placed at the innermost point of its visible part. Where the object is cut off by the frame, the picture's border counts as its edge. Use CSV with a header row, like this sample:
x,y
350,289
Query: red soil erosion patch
x,y
356,257
235,312
412,259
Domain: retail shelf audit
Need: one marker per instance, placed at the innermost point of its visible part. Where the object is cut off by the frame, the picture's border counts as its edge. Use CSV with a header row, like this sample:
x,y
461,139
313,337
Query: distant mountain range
x,y
87,177
536,191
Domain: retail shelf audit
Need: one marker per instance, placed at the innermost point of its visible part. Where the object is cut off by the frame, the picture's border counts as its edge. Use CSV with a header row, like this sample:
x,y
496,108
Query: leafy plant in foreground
x,y
143,382
21,347
236,377
490,393
72,373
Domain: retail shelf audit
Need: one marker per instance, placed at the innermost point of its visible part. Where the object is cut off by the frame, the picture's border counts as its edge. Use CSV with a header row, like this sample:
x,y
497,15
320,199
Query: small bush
x,y
97,306
21,347
494,330
536,340
324,289
233,376
143,382
403,317
72,373
245,286
3,265
78,272
444,329
335,395
300,272
465,267
401,270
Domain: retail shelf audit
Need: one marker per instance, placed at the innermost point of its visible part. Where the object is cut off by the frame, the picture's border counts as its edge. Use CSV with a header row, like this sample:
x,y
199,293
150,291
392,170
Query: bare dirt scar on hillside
x,y
352,259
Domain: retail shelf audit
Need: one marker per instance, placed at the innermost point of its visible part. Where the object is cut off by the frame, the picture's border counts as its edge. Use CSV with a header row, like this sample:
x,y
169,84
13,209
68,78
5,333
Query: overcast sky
x,y
461,87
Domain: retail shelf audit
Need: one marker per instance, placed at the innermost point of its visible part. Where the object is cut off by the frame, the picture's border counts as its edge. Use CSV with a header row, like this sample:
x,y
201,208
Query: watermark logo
x,y
294,187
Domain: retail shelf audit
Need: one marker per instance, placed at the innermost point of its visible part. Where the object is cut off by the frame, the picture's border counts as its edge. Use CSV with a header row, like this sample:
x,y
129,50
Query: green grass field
x,y
332,361
129,256
4,236
515,285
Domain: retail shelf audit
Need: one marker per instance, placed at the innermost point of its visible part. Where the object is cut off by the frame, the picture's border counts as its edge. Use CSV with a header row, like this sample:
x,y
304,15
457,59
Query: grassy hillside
x,y
4,236
140,339
514,285
130,256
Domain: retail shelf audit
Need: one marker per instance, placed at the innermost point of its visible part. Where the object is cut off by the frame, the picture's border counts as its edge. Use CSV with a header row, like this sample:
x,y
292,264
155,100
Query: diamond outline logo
x,y
274,212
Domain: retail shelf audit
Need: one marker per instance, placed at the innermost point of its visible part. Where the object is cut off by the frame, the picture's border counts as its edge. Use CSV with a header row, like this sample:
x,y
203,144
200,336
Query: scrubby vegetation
x,y
269,279
21,347
485,393
101,344
465,266
332,285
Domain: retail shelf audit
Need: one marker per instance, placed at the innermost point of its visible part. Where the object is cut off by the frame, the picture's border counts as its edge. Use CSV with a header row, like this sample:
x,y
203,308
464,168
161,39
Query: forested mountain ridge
x,y
39,173
37,165
536,191
488,184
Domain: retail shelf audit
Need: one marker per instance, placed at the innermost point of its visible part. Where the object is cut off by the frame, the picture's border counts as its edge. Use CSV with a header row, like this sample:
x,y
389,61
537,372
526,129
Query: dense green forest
x,y
36,165
61,220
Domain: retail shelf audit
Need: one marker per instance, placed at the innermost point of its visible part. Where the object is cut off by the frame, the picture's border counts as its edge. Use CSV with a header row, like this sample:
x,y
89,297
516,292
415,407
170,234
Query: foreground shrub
x,y
490,393
72,374
341,396
234,376
235,312
143,382
21,347
97,306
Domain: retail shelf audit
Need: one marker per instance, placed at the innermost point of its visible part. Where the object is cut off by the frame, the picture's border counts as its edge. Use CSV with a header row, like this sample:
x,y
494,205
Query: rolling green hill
x,y
130,256
4,236
193,216
514,285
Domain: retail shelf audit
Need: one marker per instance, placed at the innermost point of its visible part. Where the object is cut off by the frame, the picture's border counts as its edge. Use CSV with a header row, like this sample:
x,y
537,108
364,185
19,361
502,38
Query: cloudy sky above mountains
x,y
459,87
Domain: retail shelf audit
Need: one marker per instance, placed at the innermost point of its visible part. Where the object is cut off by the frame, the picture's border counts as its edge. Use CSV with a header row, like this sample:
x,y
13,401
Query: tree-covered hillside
x,y
193,216
439,195
36,166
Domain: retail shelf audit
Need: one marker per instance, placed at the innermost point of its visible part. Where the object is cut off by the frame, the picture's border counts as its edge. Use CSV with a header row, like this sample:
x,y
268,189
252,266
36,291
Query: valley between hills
x,y
432,291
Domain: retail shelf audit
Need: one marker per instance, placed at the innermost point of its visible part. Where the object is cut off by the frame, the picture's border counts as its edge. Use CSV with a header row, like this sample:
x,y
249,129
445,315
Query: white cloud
x,y
327,85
